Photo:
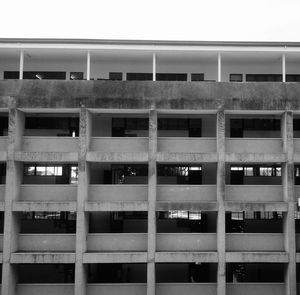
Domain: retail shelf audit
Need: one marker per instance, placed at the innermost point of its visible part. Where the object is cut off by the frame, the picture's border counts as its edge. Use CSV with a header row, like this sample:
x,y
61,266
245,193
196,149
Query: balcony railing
x,y
119,144
255,288
254,145
3,143
37,289
117,242
124,289
50,144
185,242
254,242
186,193
186,145
186,288
254,193
46,243
48,193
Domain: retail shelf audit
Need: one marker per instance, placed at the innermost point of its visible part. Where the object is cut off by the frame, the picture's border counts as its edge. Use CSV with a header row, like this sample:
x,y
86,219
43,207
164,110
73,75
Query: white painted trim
x,y
219,67
283,67
154,66
88,65
21,68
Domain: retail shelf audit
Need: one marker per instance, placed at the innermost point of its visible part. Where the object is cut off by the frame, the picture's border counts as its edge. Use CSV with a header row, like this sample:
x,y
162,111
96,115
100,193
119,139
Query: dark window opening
x,y
36,75
184,221
129,127
45,273
50,174
116,76
254,222
181,174
1,222
192,126
171,77
255,272
236,77
76,75
197,77
2,173
47,222
186,272
3,125
139,77
118,222
263,78
244,127
51,126
255,174
110,273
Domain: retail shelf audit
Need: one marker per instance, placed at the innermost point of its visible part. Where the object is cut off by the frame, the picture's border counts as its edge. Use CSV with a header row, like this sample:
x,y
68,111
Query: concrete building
x,y
149,167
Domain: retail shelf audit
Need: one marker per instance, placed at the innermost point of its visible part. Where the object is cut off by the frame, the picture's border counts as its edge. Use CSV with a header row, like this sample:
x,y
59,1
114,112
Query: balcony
x,y
186,242
48,193
117,242
120,193
254,242
50,144
255,288
186,145
3,143
119,144
254,193
186,288
37,289
46,243
186,193
116,289
254,145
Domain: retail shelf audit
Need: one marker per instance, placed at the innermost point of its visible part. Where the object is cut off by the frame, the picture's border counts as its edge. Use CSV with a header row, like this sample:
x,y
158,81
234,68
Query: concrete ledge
x,y
2,204
192,206
116,206
297,157
46,157
297,257
42,258
266,257
166,157
43,206
3,156
255,158
128,257
186,257
1,257
117,157
256,206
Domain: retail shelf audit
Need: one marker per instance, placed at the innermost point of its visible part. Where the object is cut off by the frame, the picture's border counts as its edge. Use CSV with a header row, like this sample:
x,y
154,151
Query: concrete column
x,y
21,69
288,196
283,68
88,65
219,67
152,202
82,195
221,235
154,66
14,173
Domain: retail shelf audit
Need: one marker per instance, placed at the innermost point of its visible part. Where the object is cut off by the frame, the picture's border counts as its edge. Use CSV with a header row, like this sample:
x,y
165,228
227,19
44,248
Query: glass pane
x,y
41,170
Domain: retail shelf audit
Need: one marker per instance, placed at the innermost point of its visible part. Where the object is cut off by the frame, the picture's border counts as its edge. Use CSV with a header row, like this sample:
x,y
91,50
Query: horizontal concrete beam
x,y
117,157
46,157
43,206
263,257
186,257
256,206
42,258
165,157
192,206
116,206
132,257
255,158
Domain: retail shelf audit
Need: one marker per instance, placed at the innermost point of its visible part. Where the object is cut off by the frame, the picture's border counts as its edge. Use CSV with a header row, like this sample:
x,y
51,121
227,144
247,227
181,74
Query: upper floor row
x,y
152,60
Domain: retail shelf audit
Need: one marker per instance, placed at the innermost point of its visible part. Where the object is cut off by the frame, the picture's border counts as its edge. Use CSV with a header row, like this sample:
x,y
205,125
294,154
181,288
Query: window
x,y
42,170
76,75
263,78
181,214
139,77
197,77
269,171
41,215
36,75
171,77
117,76
236,77
175,170
248,171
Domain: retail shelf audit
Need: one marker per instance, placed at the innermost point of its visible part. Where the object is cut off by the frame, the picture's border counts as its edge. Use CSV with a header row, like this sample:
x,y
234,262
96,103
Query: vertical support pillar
x,y
88,65
21,69
154,66
283,67
219,67
152,202
221,235
288,196
82,195
12,189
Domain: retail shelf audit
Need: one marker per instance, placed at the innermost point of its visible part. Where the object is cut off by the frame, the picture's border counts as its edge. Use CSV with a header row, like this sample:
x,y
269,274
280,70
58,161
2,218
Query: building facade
x,y
149,167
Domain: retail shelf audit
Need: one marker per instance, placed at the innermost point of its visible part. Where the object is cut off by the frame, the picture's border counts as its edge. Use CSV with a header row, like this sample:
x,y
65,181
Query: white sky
x,y
201,20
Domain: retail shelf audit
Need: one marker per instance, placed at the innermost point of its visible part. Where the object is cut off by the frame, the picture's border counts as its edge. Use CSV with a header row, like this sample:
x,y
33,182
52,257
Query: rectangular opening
x,y
186,272
117,273
36,222
184,221
118,222
36,75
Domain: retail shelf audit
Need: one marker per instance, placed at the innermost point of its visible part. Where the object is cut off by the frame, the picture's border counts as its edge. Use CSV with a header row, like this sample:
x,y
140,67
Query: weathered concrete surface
x,y
116,206
256,206
132,94
192,206
125,257
42,258
43,206
209,257
257,257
